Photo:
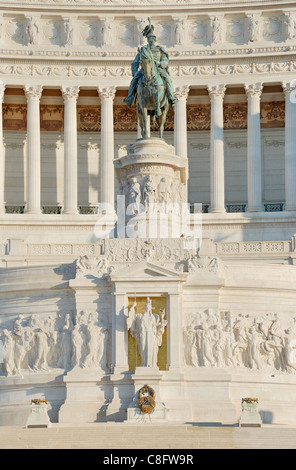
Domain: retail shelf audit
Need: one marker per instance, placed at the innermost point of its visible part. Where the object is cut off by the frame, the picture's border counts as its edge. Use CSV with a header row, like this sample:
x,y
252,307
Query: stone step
x,y
147,436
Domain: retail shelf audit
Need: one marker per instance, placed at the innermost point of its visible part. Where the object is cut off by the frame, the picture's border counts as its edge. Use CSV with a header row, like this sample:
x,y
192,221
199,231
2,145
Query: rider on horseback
x,y
161,60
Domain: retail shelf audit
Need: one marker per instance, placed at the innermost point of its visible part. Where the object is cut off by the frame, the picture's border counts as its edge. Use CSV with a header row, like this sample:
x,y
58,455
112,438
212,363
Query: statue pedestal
x,y
250,415
85,398
153,182
150,376
38,418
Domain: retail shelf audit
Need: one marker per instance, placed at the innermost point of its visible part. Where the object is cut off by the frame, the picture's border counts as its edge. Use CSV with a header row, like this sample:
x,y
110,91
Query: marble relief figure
x,y
37,344
147,328
240,341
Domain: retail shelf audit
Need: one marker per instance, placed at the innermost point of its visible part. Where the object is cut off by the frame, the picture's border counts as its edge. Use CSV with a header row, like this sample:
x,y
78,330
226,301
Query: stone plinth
x,y
151,172
85,398
38,417
250,415
150,376
153,182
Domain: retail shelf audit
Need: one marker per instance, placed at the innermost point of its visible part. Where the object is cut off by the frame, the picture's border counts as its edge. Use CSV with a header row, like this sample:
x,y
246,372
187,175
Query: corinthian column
x,y
107,147
290,146
216,93
253,92
33,95
70,95
2,164
180,121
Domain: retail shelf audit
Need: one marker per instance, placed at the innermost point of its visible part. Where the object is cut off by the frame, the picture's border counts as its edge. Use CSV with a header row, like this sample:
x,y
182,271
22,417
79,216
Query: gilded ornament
x,y
146,401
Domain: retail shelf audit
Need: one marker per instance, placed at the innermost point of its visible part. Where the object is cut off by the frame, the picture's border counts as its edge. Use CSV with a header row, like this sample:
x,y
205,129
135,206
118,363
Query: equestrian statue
x,y
151,86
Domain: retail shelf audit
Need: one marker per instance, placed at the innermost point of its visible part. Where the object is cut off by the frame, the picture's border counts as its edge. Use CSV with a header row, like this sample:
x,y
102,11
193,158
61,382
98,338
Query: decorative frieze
x,y
89,117
219,29
236,340
39,343
234,248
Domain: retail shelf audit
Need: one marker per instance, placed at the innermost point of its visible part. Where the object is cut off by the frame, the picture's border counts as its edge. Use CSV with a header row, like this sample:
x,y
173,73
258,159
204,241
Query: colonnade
x,y
107,94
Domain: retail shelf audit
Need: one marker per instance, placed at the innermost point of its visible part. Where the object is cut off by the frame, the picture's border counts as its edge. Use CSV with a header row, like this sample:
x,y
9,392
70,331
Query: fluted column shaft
x,y
180,121
33,95
290,146
107,146
253,92
2,154
216,93
70,95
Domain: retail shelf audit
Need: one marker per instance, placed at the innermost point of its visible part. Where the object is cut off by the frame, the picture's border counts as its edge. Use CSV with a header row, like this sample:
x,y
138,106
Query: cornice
x,y
205,53
52,71
141,5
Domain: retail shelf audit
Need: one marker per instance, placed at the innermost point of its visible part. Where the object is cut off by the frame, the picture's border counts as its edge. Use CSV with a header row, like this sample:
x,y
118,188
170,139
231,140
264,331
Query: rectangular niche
x,y
134,359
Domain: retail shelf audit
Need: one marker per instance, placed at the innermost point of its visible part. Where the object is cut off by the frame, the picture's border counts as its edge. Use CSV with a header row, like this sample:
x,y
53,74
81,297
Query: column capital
x,y
216,91
107,93
33,92
254,89
289,87
70,92
181,92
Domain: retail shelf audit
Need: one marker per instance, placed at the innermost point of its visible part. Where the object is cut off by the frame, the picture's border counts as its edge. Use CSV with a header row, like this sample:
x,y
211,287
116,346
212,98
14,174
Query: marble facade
x,y
69,275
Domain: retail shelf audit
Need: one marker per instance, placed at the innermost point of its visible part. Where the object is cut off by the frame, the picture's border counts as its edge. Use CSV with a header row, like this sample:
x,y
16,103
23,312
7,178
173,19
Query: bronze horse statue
x,y
151,94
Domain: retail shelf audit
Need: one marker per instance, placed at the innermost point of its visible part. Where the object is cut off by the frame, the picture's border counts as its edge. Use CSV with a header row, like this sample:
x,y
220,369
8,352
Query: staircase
x,y
147,436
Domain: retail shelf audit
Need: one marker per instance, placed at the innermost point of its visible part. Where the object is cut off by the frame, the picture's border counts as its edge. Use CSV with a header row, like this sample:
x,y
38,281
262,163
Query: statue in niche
x,y
253,28
216,30
290,23
32,30
147,328
69,30
151,85
140,27
180,32
107,32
